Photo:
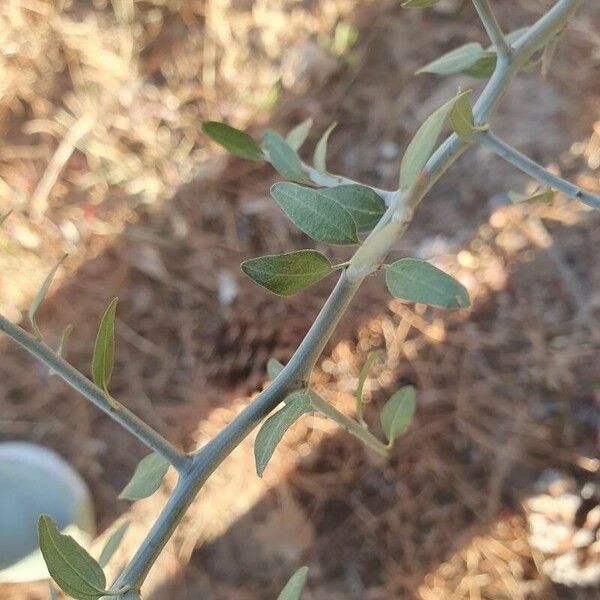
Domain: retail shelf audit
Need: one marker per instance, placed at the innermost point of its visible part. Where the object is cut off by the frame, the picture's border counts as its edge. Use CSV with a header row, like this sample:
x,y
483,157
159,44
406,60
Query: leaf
x,y
273,429
454,61
364,205
274,367
293,588
318,215
483,67
421,146
419,3
297,136
364,372
40,296
64,336
113,543
461,118
283,157
290,273
418,281
397,413
147,477
233,140
548,55
69,565
104,350
549,52
515,35
320,155
545,196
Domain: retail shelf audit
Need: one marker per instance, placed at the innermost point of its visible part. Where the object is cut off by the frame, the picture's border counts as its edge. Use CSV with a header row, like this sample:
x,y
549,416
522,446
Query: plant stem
x,y
350,425
294,376
492,28
533,169
94,394
329,180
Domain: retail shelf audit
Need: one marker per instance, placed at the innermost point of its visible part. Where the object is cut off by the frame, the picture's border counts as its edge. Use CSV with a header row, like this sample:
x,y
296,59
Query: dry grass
x,y
101,156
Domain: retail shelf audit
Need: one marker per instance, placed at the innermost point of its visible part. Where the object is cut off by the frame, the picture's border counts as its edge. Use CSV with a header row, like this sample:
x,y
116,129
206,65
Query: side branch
x,y
329,180
533,169
492,28
94,394
350,425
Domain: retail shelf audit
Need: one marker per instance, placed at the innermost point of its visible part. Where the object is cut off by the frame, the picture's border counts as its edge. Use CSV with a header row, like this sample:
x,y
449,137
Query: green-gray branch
x,y
140,429
525,164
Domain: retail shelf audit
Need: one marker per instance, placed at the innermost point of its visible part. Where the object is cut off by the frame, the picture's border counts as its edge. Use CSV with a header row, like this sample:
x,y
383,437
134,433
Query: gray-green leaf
x,y
290,273
364,205
39,298
104,350
233,140
515,35
64,336
113,543
274,367
364,372
421,146
283,157
455,61
545,196
320,216
293,588
419,3
69,565
398,412
461,118
297,136
483,67
146,479
418,281
320,155
548,54
272,430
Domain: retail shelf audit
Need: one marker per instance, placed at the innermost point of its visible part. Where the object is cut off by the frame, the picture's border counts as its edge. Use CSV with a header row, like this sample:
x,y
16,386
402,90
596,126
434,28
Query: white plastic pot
x,y
35,481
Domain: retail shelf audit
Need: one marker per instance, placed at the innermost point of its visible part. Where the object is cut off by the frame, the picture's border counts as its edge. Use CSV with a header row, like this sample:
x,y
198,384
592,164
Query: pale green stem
x,y
492,28
531,168
329,180
350,425
94,394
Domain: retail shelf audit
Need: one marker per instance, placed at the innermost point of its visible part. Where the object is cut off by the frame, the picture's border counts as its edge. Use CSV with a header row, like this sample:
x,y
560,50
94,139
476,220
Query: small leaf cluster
x,y
397,413
71,567
340,215
395,416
